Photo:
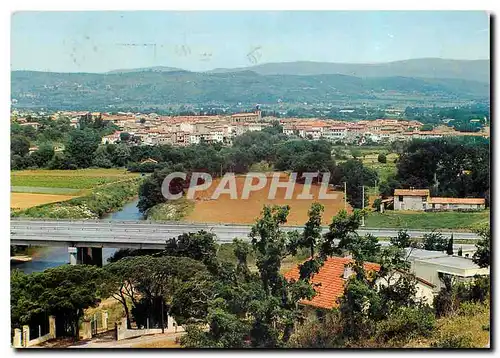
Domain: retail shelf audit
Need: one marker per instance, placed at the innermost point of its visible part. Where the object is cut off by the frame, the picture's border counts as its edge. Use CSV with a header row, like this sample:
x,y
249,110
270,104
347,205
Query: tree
x,y
310,239
275,314
482,255
449,249
150,193
426,128
19,145
124,136
200,246
120,155
148,281
402,240
454,167
61,161
356,153
43,155
247,309
65,292
18,163
356,175
434,241
382,158
387,187
81,146
366,302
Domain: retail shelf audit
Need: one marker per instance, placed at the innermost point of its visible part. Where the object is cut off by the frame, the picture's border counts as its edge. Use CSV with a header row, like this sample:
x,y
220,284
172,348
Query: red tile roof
x,y
331,279
411,192
244,115
441,200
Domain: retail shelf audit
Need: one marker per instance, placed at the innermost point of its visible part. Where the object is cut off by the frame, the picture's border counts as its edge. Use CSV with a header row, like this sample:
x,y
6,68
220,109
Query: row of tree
x,y
450,167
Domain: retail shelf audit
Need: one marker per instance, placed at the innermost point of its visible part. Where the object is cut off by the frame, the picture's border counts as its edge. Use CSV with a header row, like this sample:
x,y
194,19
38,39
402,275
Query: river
x,y
46,257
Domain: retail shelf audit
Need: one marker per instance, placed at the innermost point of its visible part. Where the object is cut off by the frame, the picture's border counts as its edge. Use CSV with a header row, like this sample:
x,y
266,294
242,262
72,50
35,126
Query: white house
x,y
411,199
428,265
425,290
420,199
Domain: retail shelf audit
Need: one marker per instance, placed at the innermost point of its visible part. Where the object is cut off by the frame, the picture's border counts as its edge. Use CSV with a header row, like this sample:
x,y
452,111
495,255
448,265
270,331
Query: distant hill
x,y
475,70
149,69
158,89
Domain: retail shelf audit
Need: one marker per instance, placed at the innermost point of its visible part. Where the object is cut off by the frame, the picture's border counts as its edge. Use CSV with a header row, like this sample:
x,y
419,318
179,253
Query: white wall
x,y
424,292
408,203
124,333
429,271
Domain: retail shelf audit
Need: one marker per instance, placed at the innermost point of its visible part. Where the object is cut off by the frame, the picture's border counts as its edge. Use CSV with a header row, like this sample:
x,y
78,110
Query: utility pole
x,y
162,318
363,206
345,196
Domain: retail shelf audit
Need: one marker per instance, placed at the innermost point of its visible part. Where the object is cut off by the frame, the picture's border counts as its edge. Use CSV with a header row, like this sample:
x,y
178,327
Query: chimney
x,y
347,272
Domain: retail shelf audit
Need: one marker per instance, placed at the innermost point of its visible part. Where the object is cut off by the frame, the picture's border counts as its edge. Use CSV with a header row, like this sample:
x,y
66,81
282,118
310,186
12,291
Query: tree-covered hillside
x,y
136,90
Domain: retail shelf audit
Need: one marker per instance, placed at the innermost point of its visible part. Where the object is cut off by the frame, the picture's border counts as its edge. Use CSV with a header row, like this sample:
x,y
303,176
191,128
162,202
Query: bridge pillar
x,y
73,255
89,256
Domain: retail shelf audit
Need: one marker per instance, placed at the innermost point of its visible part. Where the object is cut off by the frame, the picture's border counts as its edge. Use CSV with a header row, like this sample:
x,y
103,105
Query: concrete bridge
x,y
86,238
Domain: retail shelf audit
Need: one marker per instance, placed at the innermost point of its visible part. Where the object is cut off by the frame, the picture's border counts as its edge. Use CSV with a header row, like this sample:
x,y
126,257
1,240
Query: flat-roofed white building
x,y
429,265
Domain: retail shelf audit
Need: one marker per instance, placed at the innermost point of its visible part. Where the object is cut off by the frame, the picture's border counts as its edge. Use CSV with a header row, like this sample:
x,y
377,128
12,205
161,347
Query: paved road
x,y
144,234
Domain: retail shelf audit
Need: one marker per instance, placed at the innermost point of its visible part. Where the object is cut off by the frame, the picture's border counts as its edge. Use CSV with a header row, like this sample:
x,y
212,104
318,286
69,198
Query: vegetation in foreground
x,y
224,304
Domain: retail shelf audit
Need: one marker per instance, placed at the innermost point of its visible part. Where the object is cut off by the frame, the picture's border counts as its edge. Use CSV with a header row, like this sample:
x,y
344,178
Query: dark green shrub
x,y
405,324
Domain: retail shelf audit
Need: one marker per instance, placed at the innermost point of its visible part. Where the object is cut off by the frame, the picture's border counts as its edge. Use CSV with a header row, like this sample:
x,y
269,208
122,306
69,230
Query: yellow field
x,y
28,200
245,211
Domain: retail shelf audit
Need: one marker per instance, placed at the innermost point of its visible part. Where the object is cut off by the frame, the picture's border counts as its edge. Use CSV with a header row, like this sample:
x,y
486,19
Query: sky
x,y
101,41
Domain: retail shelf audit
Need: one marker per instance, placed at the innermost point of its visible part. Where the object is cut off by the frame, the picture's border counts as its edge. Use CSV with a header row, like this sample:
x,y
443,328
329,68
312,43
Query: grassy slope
x,y
172,210
468,328
369,157
423,220
101,200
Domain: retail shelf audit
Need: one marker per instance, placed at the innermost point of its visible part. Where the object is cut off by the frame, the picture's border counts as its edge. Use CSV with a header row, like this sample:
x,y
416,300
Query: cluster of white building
x,y
185,130
379,130
153,129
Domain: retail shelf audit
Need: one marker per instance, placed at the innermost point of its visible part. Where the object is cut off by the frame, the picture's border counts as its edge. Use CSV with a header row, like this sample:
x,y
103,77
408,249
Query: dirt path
x,y
166,340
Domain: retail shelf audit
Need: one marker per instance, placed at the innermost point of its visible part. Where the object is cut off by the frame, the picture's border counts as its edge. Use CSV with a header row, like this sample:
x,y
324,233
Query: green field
x,y
369,157
70,179
423,220
383,169
44,190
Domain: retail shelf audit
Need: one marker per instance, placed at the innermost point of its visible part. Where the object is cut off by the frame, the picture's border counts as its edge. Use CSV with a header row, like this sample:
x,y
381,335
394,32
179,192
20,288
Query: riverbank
x,y
174,210
20,259
43,258
102,200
